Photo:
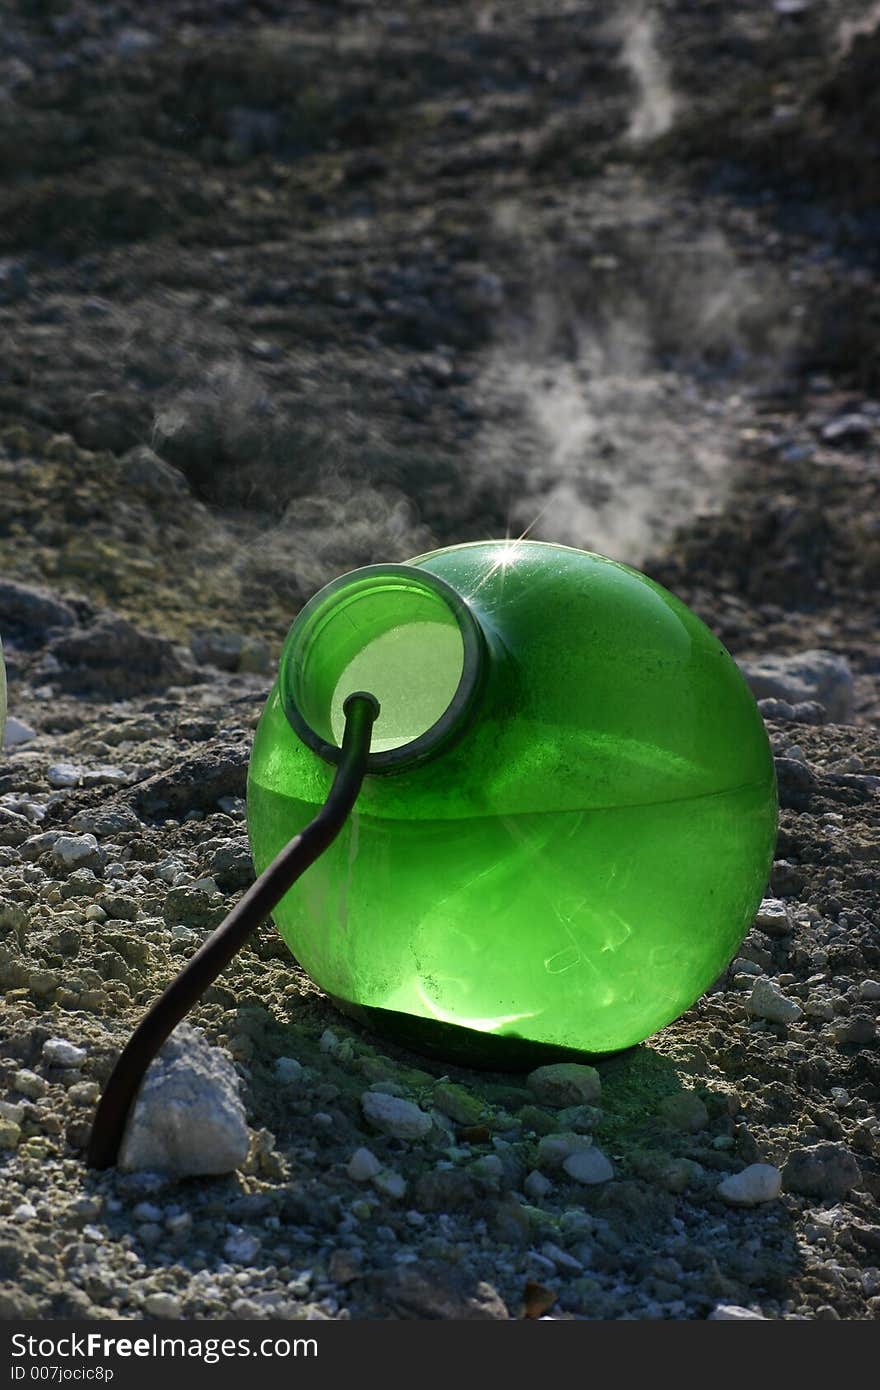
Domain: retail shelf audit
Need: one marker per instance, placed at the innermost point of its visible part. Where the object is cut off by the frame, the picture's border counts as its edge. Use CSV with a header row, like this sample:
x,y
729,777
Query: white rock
x,y
588,1166
869,989
162,1305
732,1312
288,1070
565,1083
58,1052
65,775
760,1182
77,851
17,732
772,917
363,1165
27,1083
767,1001
395,1116
188,1118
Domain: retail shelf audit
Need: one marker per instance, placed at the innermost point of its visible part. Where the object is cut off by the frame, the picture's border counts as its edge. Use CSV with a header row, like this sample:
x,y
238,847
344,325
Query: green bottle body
x,y
582,851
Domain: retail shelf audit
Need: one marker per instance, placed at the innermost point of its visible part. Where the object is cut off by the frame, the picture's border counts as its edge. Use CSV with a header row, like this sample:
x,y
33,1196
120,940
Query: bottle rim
x,y
328,605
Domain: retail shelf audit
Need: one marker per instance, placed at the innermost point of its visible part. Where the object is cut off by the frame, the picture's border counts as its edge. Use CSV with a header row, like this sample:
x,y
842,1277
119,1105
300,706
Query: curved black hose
x,y
216,953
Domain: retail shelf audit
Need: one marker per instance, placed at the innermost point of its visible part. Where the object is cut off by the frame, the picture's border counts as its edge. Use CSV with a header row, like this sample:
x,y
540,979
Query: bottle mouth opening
x,y
399,633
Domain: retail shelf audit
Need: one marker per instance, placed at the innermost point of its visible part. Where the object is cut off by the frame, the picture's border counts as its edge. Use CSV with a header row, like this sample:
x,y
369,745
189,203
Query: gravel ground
x,y
739,1146
287,289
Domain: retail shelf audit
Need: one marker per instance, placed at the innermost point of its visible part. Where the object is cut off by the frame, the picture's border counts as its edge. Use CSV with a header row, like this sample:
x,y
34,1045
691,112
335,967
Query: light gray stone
x,y
812,675
77,852
188,1118
162,1305
767,1001
65,775
773,918
17,732
29,1084
399,1118
58,1052
760,1182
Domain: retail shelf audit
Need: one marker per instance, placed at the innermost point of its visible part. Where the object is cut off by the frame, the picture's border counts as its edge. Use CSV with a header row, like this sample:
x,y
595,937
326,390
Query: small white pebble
x,y
58,1052
760,1182
162,1305
394,1116
767,1001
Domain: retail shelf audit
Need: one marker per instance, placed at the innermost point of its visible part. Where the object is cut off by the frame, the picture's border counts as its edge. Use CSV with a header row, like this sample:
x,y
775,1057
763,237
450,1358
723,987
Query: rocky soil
x,y
287,288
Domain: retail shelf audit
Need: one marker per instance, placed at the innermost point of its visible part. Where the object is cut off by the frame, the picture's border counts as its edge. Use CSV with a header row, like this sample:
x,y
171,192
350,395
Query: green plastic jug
x,y
569,813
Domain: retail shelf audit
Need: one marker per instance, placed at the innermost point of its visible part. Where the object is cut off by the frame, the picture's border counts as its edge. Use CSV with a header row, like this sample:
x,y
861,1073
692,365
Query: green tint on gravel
x,y
580,851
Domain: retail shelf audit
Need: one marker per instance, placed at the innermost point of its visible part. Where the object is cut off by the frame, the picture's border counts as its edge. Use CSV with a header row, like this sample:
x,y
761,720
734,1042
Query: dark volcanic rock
x,y
197,781
114,658
28,613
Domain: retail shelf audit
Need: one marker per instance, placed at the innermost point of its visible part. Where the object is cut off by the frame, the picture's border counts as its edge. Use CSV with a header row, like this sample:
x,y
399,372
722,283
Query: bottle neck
x,y
403,635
